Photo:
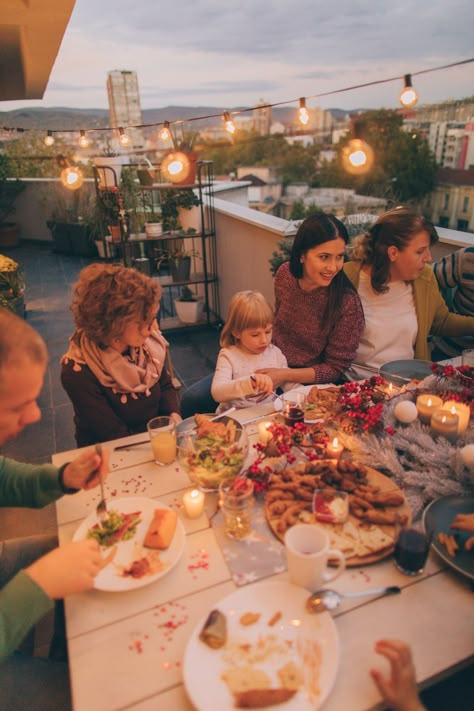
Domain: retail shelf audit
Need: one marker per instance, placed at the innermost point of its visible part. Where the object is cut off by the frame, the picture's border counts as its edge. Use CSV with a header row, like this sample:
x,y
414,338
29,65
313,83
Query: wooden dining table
x,y
126,649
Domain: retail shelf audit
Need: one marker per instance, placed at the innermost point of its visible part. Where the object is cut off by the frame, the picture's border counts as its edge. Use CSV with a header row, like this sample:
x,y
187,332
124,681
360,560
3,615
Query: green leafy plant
x,y
12,282
9,189
186,294
171,201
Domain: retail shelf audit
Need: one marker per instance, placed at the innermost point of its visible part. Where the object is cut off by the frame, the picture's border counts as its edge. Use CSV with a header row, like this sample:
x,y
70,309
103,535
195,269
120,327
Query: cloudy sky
x,y
234,52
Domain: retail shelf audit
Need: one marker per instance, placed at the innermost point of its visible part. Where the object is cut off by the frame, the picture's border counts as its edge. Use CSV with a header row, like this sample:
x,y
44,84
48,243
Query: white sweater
x,y
231,385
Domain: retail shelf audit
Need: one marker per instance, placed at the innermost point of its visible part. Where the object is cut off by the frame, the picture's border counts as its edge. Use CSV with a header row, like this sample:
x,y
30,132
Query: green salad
x,y
213,459
115,528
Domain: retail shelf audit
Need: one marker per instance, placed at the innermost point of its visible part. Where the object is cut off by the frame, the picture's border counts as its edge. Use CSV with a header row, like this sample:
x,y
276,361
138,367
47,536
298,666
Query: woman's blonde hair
x,y
248,309
108,297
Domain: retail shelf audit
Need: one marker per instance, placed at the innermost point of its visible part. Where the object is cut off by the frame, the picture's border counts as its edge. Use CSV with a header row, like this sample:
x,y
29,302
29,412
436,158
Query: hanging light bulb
x,y
229,124
83,140
408,96
49,139
71,178
176,167
164,133
124,139
303,115
357,157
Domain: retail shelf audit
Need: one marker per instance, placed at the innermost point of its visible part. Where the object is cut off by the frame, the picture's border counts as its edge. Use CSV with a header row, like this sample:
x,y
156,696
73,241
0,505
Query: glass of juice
x,y
411,551
162,431
294,403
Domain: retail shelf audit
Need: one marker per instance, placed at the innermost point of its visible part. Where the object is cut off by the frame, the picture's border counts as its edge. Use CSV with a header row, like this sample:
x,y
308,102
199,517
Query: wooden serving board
x,y
375,478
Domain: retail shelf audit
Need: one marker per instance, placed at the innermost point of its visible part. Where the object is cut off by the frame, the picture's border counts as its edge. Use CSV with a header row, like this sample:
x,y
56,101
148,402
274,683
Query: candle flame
x,y
443,419
335,442
453,410
194,493
430,402
390,387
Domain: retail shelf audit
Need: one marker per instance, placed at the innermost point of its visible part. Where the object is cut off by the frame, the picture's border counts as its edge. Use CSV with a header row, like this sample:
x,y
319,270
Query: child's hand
x,y
261,383
400,691
463,522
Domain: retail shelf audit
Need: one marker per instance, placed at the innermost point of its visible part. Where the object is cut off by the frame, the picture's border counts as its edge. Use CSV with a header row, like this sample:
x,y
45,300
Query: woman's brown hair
x,y
108,297
395,228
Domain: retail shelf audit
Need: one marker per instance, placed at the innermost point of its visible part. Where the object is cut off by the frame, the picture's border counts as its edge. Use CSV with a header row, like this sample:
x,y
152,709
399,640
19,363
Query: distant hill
x,y
58,118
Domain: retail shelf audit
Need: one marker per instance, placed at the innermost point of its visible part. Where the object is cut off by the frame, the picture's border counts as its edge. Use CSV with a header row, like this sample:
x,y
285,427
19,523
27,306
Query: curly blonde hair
x,y
106,298
248,309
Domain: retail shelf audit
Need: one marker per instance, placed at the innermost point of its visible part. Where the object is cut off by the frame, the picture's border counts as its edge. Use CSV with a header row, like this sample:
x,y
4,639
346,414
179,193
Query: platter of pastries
x,y
376,506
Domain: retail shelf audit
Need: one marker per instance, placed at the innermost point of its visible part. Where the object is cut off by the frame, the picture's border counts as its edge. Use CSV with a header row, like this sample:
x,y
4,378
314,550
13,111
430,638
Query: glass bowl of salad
x,y
209,454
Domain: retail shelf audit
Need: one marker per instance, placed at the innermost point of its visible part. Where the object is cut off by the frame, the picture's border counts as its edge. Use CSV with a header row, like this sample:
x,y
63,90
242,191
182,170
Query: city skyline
x,y
215,54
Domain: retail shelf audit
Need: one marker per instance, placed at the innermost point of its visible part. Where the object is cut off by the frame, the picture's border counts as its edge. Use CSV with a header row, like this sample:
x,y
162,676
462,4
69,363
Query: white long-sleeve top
x,y
231,385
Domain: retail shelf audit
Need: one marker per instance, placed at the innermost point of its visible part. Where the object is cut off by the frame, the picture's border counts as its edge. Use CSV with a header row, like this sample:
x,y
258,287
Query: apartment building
x,y
124,104
451,204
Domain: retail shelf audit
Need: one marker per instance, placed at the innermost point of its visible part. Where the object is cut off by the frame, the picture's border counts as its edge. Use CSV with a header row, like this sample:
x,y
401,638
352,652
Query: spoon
x,y
323,600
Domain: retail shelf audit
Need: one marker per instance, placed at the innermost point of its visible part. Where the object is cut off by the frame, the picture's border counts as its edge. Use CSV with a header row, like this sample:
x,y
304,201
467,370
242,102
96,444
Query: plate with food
x,y
400,372
260,647
141,540
362,524
450,543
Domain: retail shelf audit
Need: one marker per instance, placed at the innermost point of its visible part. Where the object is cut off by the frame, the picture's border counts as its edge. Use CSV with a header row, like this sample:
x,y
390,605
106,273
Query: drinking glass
x,y
162,431
236,502
294,403
411,551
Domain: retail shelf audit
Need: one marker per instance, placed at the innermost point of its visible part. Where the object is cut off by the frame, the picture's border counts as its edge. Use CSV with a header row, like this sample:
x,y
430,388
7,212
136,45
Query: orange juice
x,y
164,447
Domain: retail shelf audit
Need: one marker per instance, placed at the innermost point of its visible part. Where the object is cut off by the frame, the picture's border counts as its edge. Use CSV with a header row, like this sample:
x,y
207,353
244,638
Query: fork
x,y
101,508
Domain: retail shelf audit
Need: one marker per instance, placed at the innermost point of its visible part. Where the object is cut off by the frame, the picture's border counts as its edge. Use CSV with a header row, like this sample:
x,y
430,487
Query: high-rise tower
x,y
124,104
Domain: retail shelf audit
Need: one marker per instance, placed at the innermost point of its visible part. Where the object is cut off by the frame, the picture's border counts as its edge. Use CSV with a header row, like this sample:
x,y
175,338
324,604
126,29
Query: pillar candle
x,y
193,503
460,409
426,405
444,424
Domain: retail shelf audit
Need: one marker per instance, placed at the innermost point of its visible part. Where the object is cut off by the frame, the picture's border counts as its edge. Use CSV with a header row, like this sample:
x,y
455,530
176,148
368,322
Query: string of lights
x,y
408,98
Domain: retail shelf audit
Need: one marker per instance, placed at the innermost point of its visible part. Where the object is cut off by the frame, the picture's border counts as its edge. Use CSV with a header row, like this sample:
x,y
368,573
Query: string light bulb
x,y
83,140
72,178
229,124
408,96
49,139
303,115
357,156
124,139
176,167
164,133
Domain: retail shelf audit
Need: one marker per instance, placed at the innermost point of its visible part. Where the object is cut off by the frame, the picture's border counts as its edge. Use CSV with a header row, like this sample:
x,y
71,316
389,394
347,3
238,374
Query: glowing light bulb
x,y
175,167
83,140
408,96
164,134
303,115
124,139
357,157
49,139
229,124
72,178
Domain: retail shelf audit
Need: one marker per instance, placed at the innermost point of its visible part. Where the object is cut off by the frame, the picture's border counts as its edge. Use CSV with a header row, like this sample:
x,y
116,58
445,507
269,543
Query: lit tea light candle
x,y
426,405
193,503
264,434
460,409
334,449
467,456
445,424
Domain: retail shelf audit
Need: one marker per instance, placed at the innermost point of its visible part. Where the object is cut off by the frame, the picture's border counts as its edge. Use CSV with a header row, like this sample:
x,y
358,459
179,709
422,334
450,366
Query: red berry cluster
x,y
358,402
456,383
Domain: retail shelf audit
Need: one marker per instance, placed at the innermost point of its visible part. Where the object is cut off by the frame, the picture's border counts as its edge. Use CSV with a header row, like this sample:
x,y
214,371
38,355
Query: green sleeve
x,y
22,604
32,485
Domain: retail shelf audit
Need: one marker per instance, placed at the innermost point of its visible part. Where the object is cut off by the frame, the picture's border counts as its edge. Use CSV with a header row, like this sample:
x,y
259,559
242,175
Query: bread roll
x,y
161,529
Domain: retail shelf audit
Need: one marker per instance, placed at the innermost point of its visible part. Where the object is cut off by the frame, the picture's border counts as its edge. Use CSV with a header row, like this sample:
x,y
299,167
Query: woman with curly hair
x,y
114,370
399,293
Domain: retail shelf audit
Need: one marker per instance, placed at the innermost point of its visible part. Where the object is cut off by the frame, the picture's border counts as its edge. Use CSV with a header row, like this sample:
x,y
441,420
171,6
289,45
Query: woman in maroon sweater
x,y
114,370
318,314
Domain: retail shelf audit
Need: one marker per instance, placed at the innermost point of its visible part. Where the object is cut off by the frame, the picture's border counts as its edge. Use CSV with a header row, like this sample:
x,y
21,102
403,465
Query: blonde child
x,y
245,347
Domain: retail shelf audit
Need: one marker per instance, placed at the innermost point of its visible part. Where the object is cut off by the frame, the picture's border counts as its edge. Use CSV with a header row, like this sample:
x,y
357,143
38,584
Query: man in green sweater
x,y
34,573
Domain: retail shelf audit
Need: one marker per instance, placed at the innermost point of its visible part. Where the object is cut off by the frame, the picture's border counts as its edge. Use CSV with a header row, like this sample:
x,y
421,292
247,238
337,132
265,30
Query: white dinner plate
x,y
110,579
203,667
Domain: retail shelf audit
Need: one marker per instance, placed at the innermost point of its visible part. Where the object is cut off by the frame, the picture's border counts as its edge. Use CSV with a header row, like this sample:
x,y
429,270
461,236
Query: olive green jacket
x,y
431,311
22,601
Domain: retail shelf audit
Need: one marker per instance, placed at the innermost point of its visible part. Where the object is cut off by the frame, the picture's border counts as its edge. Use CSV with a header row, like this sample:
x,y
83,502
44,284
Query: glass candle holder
x,y
445,424
426,405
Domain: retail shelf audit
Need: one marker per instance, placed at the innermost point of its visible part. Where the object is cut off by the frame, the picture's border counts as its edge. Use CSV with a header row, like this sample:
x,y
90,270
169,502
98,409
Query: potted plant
x,y
179,261
71,218
174,204
12,286
153,225
109,167
188,306
9,191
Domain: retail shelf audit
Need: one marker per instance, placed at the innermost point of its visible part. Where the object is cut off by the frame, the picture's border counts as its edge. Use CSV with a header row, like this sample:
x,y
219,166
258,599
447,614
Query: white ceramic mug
x,y
308,554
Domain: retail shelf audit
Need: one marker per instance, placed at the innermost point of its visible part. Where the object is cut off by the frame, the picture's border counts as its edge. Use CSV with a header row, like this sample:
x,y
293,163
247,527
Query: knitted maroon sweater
x,y
298,331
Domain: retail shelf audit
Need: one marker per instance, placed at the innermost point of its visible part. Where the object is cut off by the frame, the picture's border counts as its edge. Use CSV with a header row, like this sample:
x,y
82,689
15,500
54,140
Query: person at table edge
x,y
114,370
399,292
